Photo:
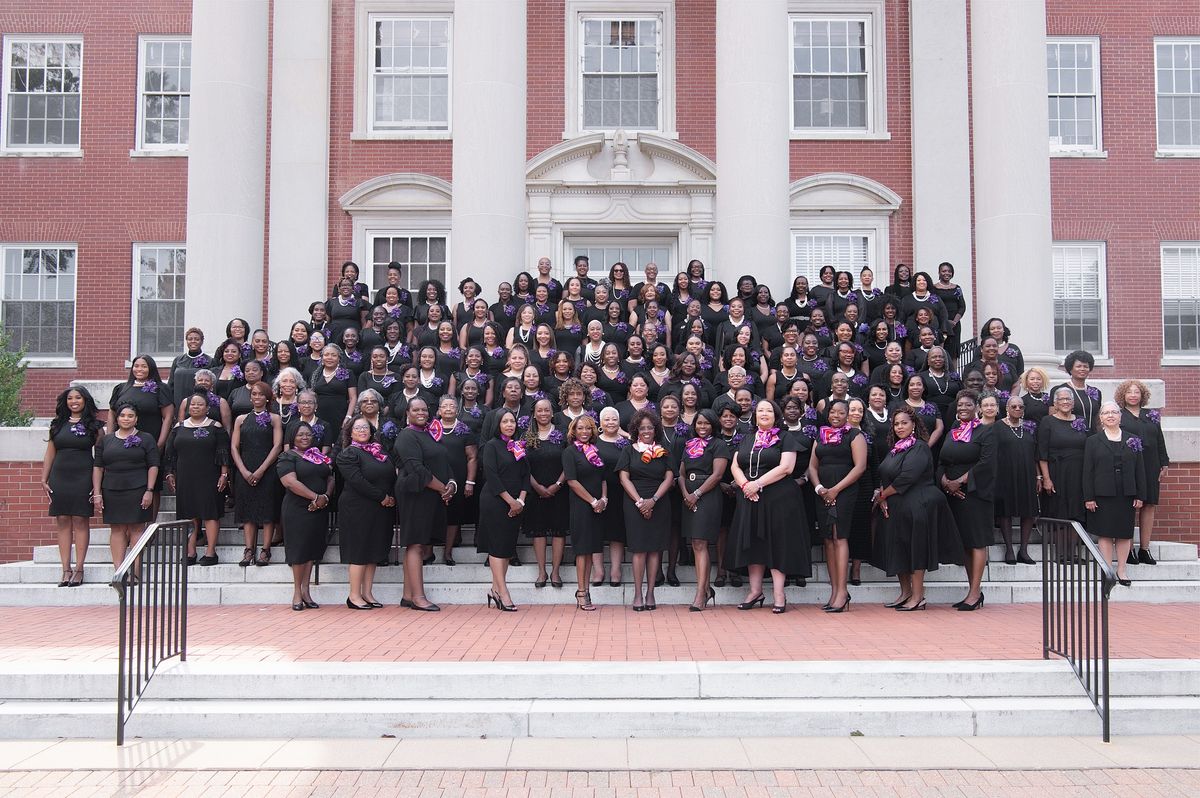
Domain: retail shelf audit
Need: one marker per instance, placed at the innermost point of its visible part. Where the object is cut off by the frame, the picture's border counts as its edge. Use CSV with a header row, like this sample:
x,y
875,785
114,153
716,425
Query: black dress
x,y
422,513
1114,475
182,377
496,533
859,534
973,515
705,522
307,531
196,455
1036,407
255,504
645,535
919,532
324,433
772,531
1060,444
954,303
365,525
71,472
343,317
546,518
587,526
1087,403
1148,427
1016,471
836,461
333,396
614,515
126,467
149,405
461,509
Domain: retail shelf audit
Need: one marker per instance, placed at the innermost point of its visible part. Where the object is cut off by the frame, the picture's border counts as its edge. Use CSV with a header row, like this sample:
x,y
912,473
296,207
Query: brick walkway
x,y
584,784
551,633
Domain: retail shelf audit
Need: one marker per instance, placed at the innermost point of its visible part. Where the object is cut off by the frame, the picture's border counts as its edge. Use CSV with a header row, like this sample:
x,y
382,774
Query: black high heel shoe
x,y
500,605
309,604
757,601
963,606
844,608
712,596
920,605
894,604
778,609
354,606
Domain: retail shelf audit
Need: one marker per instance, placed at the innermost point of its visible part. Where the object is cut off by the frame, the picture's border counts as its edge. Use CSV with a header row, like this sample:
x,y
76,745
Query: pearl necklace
x,y
941,391
1018,430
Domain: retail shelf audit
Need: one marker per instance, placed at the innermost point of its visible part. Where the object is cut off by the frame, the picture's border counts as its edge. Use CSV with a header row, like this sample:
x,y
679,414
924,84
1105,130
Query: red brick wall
x,y
696,75
23,507
545,59
59,199
888,162
1178,517
1131,200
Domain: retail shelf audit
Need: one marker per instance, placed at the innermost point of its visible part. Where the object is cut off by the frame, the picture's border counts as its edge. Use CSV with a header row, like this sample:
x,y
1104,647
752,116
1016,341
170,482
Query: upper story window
x,y
1180,264
410,73
844,250
837,68
39,299
165,93
1177,89
622,59
1073,81
43,78
1079,297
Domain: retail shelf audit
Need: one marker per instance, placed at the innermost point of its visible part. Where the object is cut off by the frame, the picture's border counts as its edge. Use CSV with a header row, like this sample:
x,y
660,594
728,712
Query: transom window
x,y
423,257
42,84
1177,83
1079,297
620,73
165,88
850,251
1073,80
158,299
410,73
39,299
831,73
1180,264
634,254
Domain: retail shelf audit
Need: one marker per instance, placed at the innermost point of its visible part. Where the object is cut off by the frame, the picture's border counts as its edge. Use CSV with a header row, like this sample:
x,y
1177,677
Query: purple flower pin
x,y
235,372
820,366
454,352
509,310
523,422
355,356
302,350
318,430
862,328
149,386
388,430
292,408
1029,426
263,419
201,361
436,382
556,437
1134,443
200,432
1004,369
822,331
621,327
1079,425
1093,394
395,312
475,412
901,330
954,375
597,395
388,381
132,441
460,428
1154,416
859,379
681,428
78,429
927,409
341,373
214,400
246,350
810,414
620,378
909,371
621,443
812,303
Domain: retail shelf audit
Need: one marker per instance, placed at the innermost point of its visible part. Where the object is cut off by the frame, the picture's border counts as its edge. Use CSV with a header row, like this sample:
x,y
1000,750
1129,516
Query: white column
x,y
941,149
297,251
753,98
226,164
487,227
1012,171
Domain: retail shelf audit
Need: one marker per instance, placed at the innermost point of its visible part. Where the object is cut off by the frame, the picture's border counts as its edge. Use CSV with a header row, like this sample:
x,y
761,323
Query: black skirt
x,y
124,506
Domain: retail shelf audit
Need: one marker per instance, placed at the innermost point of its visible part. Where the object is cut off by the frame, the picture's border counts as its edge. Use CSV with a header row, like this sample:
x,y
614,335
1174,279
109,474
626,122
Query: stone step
x,y
523,593
601,718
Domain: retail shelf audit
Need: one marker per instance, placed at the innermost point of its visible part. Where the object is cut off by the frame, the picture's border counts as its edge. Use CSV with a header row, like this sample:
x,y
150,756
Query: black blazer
x,y
1110,469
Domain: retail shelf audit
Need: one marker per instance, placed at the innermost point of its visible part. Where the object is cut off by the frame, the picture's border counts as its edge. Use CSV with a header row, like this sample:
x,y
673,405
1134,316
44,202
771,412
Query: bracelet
x,y
469,482
520,501
819,488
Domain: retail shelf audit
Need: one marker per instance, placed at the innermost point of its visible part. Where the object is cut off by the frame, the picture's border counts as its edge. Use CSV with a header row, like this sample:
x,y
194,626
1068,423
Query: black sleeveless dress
x,y
71,472
255,504
772,531
195,455
307,532
836,461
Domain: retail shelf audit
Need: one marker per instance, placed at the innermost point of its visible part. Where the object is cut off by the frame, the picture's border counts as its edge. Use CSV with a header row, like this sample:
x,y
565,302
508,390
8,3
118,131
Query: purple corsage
x,y
621,443
954,375
454,352
1029,426
556,437
621,327
509,310
78,429
682,428
1134,443
620,378
201,361
341,373
927,409
1154,416
318,430
302,350
388,381
823,332
737,439
395,312
200,432
355,356
460,428
496,352
263,419
132,441
820,366
292,408
575,328
810,414
901,330
246,350
235,372
1004,369
862,328
859,379
475,412
1079,425
149,386
909,370
436,382
523,422
1093,394
388,431
597,395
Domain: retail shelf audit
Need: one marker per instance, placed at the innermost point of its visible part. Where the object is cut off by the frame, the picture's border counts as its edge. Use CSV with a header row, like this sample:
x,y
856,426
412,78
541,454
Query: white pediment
x,y
639,159
405,191
839,191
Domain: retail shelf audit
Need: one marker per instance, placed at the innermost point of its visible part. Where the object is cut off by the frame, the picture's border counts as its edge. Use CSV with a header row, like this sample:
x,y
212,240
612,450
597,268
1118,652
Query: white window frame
x,y
666,271
47,361
579,10
1101,247
140,147
136,299
365,12
1172,151
872,12
1075,150
408,231
75,151
1173,357
850,228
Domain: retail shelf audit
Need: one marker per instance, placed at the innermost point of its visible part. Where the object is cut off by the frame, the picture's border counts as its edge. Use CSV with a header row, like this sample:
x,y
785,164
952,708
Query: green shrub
x,y
12,380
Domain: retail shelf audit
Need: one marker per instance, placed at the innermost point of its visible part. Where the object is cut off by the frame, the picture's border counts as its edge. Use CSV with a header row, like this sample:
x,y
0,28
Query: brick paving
x,y
1121,783
557,633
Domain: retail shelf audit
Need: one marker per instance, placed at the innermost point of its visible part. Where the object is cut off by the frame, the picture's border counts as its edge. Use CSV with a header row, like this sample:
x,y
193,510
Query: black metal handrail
x,y
1076,581
152,586
967,351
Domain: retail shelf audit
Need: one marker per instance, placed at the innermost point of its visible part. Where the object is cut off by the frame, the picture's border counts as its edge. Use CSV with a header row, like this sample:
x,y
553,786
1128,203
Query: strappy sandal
x,y
264,557
587,605
247,557
66,578
76,578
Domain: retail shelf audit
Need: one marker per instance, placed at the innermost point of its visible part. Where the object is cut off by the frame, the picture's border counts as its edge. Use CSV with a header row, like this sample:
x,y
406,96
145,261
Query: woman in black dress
x,y
424,486
1035,395
1061,437
839,459
346,311
1009,353
1132,396
324,434
501,503
954,302
155,410
702,463
1016,478
546,517
368,479
197,466
183,368
1086,399
967,473
218,408
67,476
306,474
610,443
335,387
902,284
587,476
769,529
858,533
239,397
257,441
915,529
1114,486
462,444
123,474
646,473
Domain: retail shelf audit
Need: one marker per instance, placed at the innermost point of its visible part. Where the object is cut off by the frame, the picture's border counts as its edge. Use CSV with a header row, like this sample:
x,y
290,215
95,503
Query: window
x,y
164,91
619,74
837,68
1073,78
39,299
634,254
1181,298
1079,297
410,73
158,298
422,256
42,81
1177,84
845,251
